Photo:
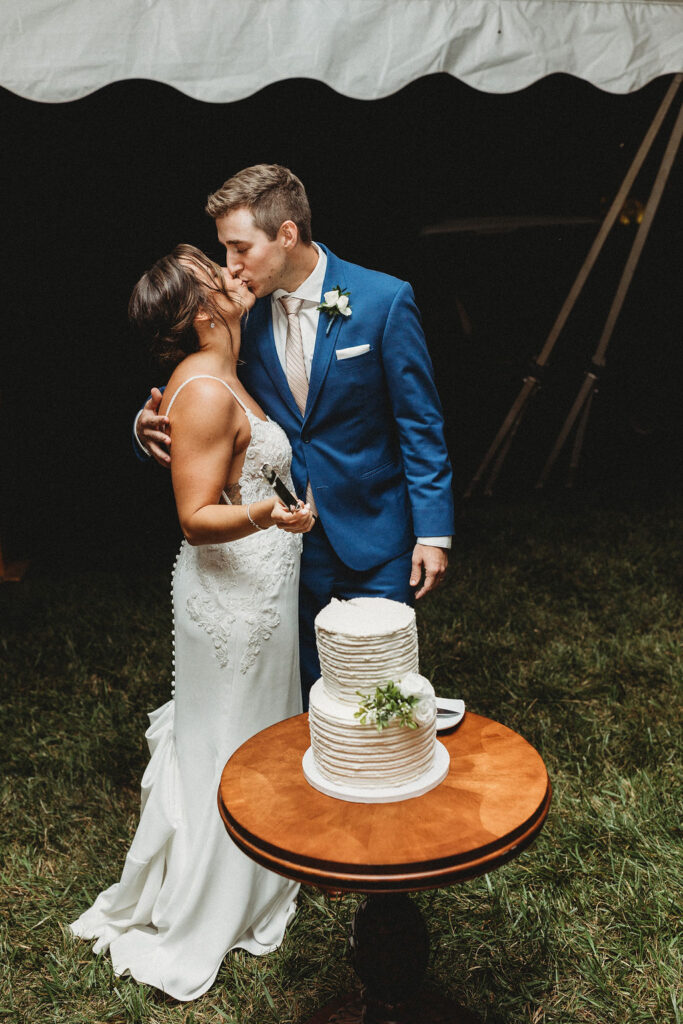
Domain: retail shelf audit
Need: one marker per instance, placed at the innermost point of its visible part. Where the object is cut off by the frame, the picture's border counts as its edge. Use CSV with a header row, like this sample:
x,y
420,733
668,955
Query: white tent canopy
x,y
223,50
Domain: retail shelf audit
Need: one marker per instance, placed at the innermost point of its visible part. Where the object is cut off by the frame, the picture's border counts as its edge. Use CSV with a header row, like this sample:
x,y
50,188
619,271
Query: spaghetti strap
x,y
207,376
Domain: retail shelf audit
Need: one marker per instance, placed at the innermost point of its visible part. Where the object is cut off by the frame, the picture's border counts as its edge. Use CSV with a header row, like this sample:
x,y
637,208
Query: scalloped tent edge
x,y
225,50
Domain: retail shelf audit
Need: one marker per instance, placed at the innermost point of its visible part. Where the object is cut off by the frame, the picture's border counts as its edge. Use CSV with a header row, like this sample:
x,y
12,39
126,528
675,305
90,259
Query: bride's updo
x,y
168,297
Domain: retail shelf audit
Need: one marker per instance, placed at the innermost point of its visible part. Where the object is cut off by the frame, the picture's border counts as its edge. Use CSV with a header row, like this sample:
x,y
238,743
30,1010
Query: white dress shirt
x,y
311,294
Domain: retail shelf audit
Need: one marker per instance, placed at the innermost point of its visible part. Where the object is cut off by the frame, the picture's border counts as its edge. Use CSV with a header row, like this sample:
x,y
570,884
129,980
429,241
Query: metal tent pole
x,y
584,398
533,378
579,438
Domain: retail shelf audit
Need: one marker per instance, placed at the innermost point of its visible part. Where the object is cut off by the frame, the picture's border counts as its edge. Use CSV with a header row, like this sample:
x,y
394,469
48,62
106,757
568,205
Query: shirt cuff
x,y
435,542
145,451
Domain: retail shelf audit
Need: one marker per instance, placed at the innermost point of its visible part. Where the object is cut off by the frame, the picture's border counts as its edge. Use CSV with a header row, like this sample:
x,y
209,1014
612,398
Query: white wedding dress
x,y
187,895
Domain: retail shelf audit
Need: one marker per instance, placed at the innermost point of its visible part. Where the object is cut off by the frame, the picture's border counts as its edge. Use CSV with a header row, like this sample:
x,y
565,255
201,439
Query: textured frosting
x,y
345,750
363,643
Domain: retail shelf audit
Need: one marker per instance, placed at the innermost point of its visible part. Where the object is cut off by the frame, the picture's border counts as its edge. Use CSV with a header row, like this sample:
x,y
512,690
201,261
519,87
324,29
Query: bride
x,y
187,895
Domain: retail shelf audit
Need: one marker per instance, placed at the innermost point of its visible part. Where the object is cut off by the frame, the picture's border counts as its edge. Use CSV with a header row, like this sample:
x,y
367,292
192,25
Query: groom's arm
x,y
419,419
150,431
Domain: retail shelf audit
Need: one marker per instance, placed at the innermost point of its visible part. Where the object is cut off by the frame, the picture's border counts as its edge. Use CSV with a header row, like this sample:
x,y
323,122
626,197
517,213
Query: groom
x,y
352,385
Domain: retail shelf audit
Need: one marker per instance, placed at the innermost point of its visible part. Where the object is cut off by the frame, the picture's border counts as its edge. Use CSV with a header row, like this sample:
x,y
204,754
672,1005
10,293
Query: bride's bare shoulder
x,y
188,386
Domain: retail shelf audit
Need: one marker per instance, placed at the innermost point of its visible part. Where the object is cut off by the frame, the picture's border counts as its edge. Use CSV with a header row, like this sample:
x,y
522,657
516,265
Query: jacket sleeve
x,y
419,418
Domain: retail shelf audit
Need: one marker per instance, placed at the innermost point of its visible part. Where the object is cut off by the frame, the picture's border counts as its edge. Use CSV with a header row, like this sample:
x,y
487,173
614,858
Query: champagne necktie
x,y
295,368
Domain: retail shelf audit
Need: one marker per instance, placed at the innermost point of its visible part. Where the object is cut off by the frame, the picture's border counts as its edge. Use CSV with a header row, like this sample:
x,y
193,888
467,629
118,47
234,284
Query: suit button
x,y
306,440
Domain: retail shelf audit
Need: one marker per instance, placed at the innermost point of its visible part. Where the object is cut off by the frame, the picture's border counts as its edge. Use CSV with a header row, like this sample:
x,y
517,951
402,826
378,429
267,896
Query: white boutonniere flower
x,y
336,304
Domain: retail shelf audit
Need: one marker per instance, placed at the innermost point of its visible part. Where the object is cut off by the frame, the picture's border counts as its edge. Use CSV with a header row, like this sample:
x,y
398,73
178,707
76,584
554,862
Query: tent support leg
x,y
579,402
586,390
505,448
528,388
579,439
530,383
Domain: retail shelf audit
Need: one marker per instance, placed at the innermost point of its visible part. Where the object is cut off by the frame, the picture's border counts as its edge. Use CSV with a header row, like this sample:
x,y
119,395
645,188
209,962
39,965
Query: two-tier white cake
x,y
363,644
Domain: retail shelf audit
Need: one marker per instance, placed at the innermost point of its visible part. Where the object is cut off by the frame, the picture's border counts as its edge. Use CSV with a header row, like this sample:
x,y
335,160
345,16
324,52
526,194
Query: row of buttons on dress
x,y
175,566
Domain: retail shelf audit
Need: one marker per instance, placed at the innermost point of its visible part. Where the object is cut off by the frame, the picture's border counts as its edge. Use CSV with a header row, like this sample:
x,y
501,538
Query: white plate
x,y
457,709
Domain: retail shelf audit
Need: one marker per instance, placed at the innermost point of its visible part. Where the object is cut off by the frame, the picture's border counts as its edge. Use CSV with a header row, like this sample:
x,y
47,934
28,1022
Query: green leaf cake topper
x,y
408,703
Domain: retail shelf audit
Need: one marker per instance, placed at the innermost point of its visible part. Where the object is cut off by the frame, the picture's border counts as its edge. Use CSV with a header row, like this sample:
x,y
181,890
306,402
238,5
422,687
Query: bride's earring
x,y
212,324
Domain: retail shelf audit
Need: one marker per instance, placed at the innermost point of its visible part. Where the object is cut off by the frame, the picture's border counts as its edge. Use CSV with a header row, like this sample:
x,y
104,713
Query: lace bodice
x,y
268,443
234,589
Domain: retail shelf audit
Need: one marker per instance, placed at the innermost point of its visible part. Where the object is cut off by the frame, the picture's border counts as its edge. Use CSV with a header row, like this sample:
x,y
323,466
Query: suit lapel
x,y
264,343
325,341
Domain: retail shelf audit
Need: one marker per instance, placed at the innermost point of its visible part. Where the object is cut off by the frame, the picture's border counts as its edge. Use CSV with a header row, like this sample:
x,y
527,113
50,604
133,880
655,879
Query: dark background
x,y
95,190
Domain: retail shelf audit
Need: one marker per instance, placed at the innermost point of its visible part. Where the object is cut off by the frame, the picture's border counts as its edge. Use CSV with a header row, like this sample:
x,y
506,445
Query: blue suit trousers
x,y
324,576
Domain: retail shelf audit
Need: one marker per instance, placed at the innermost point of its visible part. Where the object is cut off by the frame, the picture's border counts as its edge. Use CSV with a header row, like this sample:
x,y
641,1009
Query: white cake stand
x,y
381,794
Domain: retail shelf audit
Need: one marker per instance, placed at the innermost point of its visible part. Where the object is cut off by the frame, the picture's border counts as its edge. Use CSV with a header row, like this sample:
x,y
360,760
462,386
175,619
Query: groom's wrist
x,y
435,542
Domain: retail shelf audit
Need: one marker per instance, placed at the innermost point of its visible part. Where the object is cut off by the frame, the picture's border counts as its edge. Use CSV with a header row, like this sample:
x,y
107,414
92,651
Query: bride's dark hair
x,y
167,298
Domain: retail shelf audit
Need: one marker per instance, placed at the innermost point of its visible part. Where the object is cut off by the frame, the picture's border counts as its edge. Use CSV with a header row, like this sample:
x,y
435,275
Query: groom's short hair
x,y
273,195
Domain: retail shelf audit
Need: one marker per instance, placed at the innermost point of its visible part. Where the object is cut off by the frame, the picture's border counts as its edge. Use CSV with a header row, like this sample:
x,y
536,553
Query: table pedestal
x,y
389,951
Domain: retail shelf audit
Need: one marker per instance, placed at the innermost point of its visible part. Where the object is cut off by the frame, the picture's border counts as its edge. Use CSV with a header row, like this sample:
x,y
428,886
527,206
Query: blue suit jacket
x,y
371,440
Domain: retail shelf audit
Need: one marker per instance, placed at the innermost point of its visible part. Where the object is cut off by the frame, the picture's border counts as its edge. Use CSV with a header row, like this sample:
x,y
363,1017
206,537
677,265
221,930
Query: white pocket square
x,y
349,353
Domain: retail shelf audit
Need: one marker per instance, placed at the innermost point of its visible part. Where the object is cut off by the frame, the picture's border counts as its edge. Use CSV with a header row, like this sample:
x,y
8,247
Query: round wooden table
x,y
490,807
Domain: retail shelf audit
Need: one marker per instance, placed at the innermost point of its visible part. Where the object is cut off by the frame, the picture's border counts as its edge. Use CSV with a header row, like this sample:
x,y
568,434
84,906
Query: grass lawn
x,y
563,623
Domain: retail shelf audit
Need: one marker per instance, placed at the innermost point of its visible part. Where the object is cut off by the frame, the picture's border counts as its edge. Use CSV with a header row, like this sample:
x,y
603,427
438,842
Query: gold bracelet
x,y
251,520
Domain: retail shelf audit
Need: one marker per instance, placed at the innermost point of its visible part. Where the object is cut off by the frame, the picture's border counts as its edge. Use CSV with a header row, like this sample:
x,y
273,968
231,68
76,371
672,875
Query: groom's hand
x,y
434,562
152,429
